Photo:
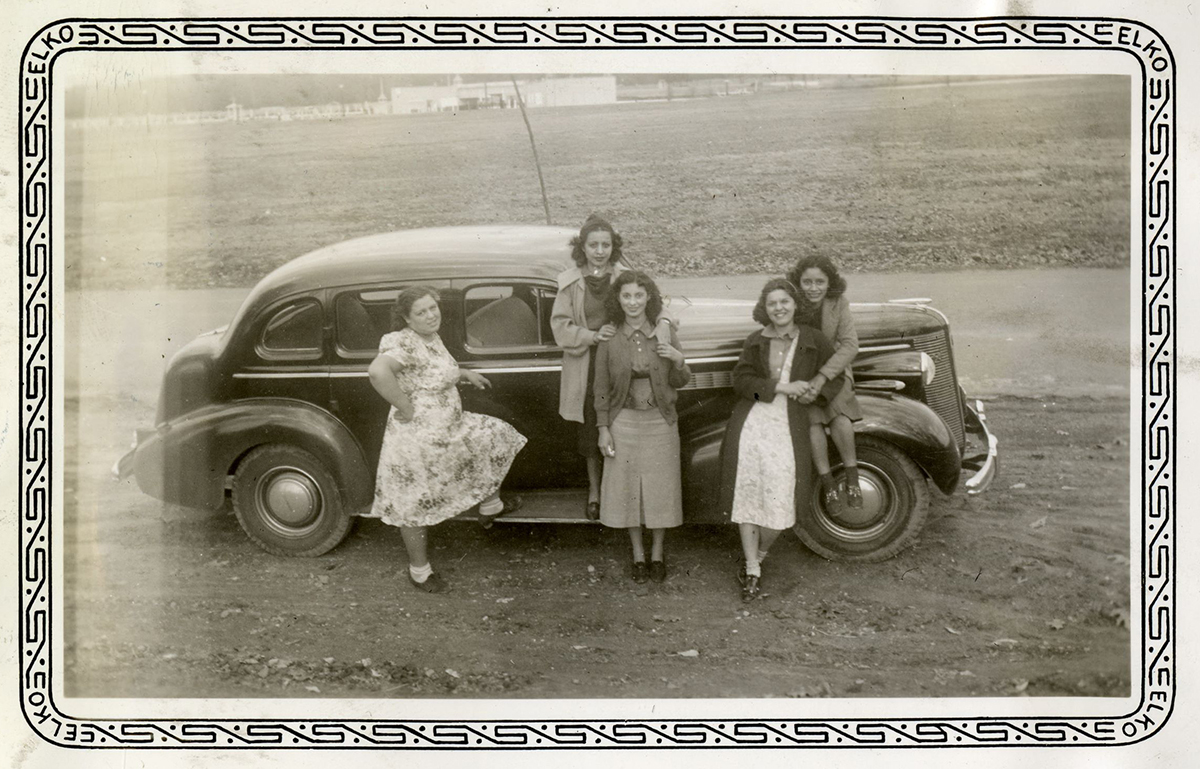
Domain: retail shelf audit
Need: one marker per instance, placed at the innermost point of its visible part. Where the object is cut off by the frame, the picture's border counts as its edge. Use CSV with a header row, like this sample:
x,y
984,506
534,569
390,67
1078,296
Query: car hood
x,y
720,326
712,326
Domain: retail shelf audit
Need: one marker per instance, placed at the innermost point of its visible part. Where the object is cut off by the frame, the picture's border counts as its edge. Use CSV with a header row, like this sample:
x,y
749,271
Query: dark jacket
x,y
614,369
753,383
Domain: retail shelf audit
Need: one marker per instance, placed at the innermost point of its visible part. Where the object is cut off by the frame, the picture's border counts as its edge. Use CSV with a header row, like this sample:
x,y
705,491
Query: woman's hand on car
x,y
476,380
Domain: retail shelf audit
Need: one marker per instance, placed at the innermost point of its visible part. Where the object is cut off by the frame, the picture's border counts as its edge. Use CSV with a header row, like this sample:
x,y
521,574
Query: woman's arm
x,y
748,379
845,341
569,335
601,386
819,385
678,374
382,373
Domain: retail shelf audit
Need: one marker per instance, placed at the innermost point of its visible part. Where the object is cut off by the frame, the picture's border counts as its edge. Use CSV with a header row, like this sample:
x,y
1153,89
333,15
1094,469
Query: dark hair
x,y
837,284
404,302
592,224
612,302
774,284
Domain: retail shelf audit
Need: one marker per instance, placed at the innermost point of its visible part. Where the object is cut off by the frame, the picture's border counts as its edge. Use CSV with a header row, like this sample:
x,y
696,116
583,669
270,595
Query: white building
x,y
550,92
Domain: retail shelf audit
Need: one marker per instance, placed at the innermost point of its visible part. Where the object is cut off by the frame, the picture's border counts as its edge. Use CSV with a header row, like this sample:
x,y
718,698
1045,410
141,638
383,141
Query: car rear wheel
x,y
288,502
895,504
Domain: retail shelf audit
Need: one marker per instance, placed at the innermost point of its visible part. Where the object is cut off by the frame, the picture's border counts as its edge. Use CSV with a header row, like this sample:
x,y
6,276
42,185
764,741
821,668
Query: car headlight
x,y
928,369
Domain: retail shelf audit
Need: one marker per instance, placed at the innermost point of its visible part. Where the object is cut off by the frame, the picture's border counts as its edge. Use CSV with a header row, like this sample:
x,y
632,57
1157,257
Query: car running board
x,y
544,506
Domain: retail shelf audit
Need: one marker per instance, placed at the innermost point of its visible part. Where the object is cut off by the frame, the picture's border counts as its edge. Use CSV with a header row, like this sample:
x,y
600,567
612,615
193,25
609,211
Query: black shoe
x,y
854,497
658,571
592,511
640,572
833,502
435,583
750,588
511,504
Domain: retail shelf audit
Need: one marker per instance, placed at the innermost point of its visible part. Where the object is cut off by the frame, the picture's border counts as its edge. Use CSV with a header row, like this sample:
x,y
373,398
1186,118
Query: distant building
x,y
500,94
424,98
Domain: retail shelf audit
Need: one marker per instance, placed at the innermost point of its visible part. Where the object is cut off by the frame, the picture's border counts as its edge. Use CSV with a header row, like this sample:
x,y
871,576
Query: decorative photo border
x,y
1154,670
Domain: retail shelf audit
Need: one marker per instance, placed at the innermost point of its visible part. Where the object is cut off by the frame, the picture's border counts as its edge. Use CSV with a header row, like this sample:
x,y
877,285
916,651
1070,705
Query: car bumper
x,y
986,458
127,464
144,462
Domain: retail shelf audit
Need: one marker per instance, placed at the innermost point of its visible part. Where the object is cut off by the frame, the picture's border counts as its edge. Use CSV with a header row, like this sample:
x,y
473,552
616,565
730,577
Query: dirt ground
x,y
1023,591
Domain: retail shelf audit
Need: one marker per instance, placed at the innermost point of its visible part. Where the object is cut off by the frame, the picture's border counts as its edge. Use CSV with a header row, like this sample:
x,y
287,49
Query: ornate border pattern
x,y
1157,251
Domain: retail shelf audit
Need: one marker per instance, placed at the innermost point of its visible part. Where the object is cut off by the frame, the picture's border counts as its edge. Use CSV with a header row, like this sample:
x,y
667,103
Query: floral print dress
x,y
764,492
445,460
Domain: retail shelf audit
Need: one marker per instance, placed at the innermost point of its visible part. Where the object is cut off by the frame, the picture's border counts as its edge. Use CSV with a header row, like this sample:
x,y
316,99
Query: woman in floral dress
x,y
436,460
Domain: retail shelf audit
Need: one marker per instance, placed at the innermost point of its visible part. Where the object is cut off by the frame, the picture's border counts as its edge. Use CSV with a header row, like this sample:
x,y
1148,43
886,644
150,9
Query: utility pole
x,y
537,163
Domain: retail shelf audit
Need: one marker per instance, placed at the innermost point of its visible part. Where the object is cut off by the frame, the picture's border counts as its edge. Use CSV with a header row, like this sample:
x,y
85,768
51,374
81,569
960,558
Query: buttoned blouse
x,y
641,394
780,344
643,347
615,377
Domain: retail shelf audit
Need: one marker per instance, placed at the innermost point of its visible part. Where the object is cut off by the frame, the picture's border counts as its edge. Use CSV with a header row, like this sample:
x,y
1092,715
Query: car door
x,y
285,354
504,333
361,316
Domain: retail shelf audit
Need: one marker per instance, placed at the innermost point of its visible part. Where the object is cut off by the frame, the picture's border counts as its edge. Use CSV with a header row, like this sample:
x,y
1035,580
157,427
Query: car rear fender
x,y
187,460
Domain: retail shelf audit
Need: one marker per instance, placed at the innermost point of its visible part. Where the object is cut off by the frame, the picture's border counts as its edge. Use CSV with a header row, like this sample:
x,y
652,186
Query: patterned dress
x,y
445,460
764,492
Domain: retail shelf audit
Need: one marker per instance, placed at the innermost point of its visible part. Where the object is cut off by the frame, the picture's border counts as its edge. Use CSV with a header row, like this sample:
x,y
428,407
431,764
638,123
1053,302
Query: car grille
x,y
709,380
942,394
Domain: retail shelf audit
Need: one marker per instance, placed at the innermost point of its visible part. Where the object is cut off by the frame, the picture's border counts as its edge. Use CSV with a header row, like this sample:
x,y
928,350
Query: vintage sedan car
x,y
276,412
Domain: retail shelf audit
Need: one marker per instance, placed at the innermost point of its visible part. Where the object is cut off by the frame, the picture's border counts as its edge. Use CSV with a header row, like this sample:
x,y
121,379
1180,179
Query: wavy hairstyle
x,y
404,302
590,225
837,284
774,284
612,302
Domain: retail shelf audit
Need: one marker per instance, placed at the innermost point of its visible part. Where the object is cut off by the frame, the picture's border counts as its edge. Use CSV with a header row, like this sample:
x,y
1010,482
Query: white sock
x,y
491,506
753,569
762,555
421,573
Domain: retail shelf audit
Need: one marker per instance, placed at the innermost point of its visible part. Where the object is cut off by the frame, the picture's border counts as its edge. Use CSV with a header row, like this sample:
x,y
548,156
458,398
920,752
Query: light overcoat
x,y
571,333
837,325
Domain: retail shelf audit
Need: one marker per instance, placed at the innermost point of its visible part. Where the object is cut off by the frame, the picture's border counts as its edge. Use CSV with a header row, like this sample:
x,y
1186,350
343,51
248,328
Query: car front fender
x,y
186,461
916,430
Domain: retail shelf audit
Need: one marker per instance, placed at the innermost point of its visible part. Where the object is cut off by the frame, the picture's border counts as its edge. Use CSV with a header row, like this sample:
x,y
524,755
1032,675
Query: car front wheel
x,y
288,502
895,504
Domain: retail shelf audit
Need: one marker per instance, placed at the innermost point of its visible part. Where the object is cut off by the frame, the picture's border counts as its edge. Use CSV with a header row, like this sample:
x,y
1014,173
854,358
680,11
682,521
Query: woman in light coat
x,y
580,322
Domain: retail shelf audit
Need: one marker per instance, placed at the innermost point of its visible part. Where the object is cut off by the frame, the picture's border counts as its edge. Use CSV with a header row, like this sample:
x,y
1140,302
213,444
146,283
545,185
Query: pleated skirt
x,y
641,485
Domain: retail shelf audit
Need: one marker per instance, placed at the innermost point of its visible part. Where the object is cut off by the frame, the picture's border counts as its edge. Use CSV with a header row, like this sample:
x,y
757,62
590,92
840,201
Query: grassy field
x,y
935,176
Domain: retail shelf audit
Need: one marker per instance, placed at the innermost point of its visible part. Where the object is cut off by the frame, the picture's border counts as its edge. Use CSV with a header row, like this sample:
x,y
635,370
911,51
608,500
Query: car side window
x,y
293,331
499,316
362,318
545,300
363,315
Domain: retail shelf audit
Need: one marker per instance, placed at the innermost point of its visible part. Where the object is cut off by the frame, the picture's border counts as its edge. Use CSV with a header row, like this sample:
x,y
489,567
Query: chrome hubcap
x,y
876,514
289,500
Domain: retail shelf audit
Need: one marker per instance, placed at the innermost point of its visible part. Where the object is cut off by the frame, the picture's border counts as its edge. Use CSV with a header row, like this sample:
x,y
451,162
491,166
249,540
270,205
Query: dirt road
x,y
1022,592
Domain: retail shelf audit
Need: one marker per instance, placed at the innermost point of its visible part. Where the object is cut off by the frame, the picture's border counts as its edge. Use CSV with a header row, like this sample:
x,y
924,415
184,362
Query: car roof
x,y
528,251
535,252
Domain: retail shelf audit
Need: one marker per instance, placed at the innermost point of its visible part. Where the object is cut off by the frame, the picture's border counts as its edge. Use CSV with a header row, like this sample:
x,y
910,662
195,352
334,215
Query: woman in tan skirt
x,y
635,384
